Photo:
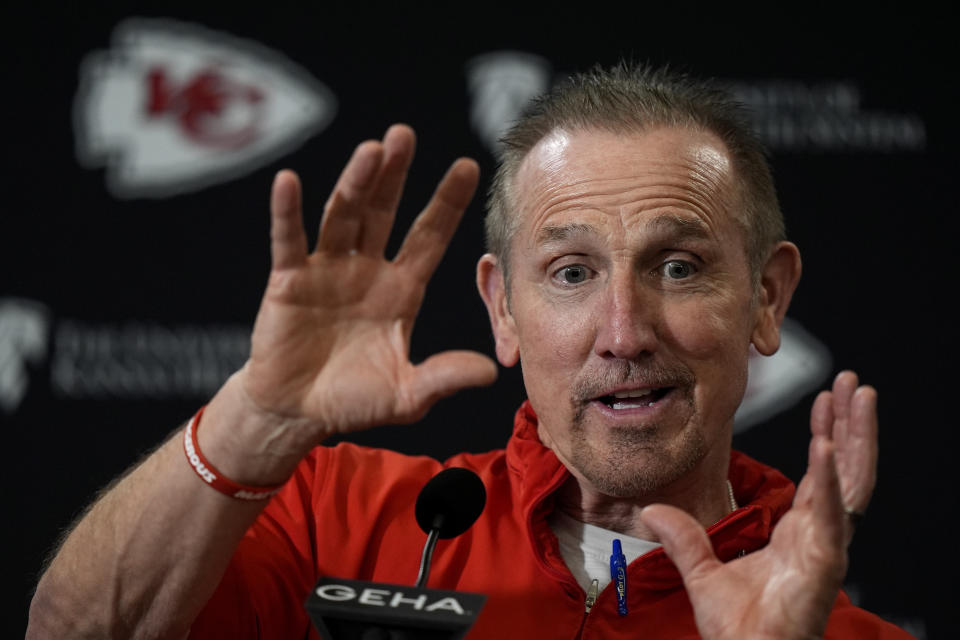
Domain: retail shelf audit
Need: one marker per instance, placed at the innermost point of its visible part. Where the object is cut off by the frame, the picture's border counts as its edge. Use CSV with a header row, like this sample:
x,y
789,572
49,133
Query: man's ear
x,y
493,290
778,280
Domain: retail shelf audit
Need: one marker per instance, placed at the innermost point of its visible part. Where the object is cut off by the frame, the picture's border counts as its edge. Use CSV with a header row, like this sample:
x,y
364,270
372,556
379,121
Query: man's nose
x,y
627,319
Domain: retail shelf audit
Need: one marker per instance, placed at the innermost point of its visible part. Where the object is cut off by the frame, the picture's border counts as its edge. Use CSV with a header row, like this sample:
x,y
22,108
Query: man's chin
x,y
635,461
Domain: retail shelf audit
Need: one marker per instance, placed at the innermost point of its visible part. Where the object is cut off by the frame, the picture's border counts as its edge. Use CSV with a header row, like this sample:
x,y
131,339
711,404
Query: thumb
x,y
446,373
684,540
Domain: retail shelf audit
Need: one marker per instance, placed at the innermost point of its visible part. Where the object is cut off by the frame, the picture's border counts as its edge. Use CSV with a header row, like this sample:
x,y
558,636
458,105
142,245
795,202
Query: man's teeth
x,y
633,399
636,393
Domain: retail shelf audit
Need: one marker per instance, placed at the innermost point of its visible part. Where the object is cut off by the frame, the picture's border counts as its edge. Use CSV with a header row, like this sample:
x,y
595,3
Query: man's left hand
x,y
787,589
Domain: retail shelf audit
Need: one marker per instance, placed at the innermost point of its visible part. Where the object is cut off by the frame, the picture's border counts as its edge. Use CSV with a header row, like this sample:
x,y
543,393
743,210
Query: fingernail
x,y
366,165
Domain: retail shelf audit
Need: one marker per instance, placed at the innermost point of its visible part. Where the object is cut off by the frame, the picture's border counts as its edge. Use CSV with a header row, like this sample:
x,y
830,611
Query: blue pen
x,y
618,575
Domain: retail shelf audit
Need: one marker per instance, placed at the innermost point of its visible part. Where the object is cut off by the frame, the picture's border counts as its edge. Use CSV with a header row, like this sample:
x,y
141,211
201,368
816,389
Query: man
x,y
637,253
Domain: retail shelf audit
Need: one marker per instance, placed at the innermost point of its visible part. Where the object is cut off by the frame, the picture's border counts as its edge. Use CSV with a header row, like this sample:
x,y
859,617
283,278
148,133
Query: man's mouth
x,y
634,398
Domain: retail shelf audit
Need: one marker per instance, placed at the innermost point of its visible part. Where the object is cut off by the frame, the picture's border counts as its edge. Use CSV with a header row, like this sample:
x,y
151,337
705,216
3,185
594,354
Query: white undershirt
x,y
586,548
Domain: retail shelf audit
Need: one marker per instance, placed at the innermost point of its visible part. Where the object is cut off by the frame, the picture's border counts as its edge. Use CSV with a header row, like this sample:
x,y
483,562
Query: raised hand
x,y
787,589
331,340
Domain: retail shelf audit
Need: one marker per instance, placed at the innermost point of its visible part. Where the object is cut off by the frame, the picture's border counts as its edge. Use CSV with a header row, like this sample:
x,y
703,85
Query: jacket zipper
x,y
593,591
588,603
591,596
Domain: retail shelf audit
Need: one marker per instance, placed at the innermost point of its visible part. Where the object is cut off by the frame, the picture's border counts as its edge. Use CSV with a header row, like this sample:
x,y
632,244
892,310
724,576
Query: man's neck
x,y
707,502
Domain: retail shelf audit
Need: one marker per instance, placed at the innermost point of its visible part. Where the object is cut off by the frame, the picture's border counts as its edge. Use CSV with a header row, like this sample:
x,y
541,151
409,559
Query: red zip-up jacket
x,y
348,512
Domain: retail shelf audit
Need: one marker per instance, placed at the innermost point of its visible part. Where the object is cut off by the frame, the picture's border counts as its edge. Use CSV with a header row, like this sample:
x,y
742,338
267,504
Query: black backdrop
x,y
120,314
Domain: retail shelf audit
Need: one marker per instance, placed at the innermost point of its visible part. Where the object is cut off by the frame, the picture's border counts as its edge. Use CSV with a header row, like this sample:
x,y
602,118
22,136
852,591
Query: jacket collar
x,y
763,493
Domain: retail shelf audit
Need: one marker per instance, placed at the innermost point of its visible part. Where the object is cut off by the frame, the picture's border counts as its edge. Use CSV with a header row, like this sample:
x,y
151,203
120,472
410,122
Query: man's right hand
x,y
329,355
330,348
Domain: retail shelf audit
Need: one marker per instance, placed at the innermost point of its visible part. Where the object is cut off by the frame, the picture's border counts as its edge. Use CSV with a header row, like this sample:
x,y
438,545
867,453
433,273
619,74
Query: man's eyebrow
x,y
670,225
679,226
560,233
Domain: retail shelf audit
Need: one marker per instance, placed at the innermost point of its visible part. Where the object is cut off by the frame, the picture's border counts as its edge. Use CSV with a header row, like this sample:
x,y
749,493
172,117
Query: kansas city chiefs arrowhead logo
x,y
174,107
776,383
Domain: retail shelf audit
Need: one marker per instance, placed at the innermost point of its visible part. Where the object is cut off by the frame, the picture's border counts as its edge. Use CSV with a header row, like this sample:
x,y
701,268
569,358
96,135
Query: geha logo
x,y
24,331
174,107
373,597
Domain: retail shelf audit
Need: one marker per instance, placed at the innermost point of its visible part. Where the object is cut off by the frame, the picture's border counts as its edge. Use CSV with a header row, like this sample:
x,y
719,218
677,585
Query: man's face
x,y
630,304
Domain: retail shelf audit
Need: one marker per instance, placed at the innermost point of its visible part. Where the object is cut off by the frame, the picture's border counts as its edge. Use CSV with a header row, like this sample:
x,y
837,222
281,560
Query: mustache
x,y
634,374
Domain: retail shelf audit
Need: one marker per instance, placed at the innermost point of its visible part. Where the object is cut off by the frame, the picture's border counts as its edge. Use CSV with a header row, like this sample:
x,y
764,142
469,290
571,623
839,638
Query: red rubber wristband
x,y
209,474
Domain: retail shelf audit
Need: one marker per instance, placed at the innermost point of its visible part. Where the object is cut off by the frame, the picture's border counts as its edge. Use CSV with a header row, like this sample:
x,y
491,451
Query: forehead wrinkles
x,y
597,172
711,177
684,185
665,224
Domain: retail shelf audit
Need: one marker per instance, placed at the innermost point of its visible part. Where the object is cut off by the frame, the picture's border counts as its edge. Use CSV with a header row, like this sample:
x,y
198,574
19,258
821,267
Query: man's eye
x,y
678,269
573,274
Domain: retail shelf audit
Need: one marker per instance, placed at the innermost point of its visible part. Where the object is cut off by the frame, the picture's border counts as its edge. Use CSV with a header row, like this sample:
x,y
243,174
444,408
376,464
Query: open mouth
x,y
635,398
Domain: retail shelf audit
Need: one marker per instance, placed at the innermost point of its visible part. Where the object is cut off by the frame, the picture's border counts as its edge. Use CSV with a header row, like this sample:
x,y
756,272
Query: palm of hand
x,y
331,340
787,589
782,591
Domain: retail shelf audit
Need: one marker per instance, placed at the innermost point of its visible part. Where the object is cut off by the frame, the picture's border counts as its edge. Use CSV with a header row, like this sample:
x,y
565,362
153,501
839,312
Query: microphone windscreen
x,y
451,501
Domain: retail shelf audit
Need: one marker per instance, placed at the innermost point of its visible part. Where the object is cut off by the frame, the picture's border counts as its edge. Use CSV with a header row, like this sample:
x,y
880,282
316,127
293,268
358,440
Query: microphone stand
x,y
427,555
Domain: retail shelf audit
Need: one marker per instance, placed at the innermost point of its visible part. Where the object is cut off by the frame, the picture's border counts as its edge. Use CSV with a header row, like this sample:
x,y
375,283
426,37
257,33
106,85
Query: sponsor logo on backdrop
x,y
174,107
144,360
24,332
150,361
825,116
132,360
501,84
788,115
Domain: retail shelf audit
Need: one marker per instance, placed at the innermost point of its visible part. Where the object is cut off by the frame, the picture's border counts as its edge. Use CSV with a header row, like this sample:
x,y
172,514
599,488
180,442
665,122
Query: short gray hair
x,y
633,98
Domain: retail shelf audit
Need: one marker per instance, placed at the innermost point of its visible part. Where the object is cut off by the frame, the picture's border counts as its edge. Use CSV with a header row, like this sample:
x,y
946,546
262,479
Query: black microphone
x,y
342,609
448,505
